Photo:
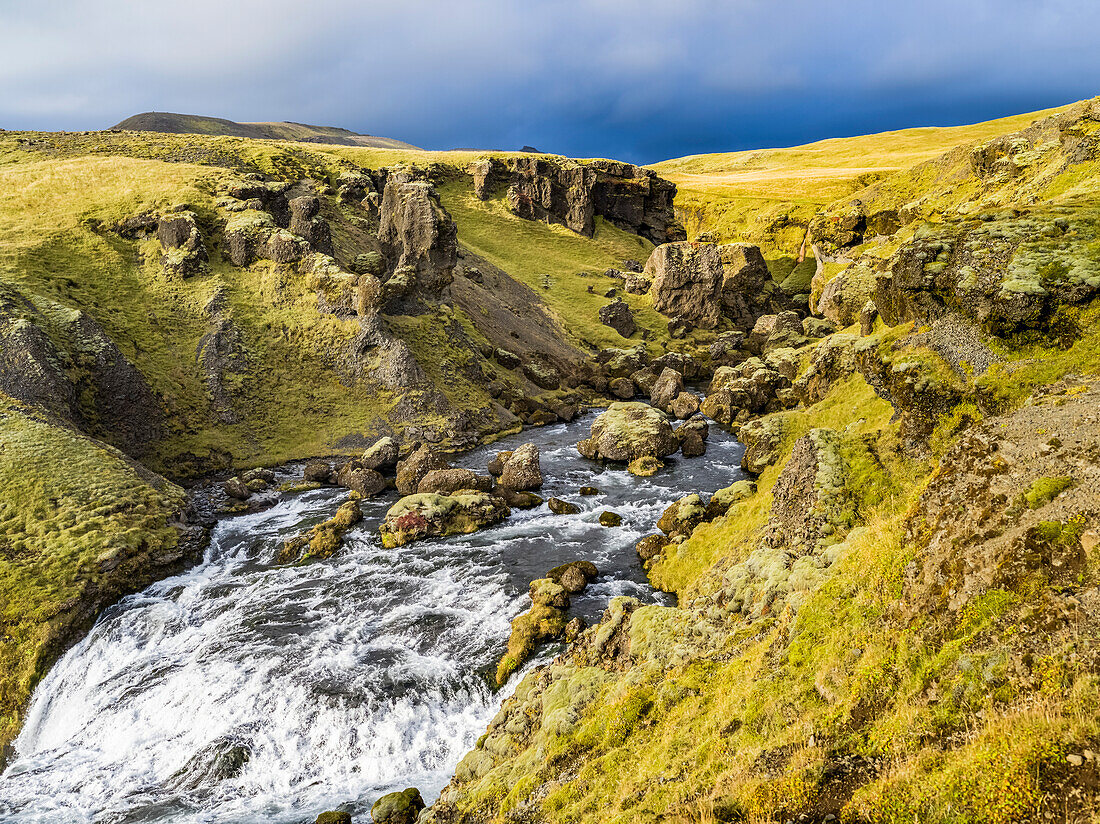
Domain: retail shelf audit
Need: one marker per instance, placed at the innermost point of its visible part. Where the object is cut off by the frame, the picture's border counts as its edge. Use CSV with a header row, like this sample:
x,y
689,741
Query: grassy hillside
x,y
928,651
171,123
80,524
768,196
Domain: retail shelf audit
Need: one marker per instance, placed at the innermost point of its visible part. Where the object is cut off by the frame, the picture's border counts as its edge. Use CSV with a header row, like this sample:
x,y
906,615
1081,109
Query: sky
x,y
638,80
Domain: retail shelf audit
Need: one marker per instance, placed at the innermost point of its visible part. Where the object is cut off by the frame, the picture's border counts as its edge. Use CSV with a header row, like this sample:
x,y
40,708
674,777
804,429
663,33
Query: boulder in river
x,y
574,576
219,760
397,808
644,466
517,500
411,471
521,470
627,431
382,455
666,389
560,507
692,444
429,515
684,405
449,481
609,518
333,817
549,593
353,475
317,472
324,539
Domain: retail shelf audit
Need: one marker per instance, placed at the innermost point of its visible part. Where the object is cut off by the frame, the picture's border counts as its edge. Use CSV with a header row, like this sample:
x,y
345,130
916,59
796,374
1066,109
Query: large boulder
x,y
744,276
762,439
521,470
629,430
667,388
430,516
382,455
418,236
411,471
448,481
617,315
687,282
353,475
682,517
183,252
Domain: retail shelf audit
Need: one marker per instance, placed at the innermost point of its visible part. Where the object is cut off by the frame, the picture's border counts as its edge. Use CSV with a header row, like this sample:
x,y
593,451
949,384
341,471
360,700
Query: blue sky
x,y
641,80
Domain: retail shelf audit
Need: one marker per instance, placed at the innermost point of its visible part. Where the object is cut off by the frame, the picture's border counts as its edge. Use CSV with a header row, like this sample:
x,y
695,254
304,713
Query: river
x,y
345,678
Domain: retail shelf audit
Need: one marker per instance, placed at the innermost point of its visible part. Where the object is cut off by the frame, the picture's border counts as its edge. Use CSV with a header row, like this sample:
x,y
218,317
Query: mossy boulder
x,y
539,624
520,470
411,470
549,593
644,466
650,547
429,515
666,389
629,430
382,455
333,817
762,439
683,516
723,499
397,808
324,539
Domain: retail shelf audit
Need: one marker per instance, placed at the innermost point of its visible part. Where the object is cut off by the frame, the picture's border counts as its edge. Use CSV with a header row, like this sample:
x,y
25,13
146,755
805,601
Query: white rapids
x,y
343,679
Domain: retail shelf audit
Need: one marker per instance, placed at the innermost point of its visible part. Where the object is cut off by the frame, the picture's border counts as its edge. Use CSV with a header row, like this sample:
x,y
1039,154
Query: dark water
x,y
346,678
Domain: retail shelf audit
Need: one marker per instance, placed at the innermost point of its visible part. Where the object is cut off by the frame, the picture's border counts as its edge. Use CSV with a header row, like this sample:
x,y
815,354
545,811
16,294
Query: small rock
x,y
609,518
560,507
644,466
1075,760
588,490
518,500
353,475
333,817
573,629
617,315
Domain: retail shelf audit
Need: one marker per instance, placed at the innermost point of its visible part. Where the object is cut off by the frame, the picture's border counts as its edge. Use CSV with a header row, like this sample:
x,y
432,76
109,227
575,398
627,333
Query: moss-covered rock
x,y
428,515
398,807
627,431
323,540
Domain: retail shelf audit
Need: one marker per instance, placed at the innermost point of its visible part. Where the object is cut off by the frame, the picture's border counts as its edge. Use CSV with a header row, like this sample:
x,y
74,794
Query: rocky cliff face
x,y
558,190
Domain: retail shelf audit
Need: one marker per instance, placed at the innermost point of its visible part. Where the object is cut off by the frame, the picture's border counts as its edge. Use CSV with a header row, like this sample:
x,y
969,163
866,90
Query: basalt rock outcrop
x,y
686,282
559,190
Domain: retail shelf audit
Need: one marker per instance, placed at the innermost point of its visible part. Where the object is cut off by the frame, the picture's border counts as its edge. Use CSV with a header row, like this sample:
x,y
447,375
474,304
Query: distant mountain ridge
x,y
171,123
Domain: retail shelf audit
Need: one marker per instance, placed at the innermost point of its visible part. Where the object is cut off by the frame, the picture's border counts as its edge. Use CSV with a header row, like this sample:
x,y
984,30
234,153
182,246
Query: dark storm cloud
x,y
641,80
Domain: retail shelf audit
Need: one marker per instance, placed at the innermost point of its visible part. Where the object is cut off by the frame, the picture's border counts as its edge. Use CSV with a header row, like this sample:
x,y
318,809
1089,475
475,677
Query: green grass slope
x,y
80,524
768,196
